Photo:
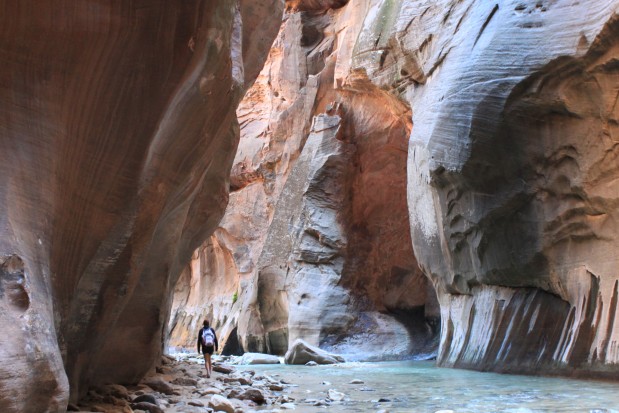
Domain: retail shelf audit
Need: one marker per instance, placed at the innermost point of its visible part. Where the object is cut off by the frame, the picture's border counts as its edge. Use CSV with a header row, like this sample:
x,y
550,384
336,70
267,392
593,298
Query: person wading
x,y
207,341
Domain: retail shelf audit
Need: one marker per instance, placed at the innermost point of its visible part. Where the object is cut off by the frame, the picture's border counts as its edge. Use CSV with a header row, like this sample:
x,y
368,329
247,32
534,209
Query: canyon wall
x,y
315,243
511,181
117,133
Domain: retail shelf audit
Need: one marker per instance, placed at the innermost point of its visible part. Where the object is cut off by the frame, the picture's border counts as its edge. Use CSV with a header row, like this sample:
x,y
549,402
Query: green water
x,y
420,387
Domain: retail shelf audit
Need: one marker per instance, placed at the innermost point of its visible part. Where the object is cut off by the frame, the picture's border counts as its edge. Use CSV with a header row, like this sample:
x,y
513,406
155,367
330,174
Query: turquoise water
x,y
420,387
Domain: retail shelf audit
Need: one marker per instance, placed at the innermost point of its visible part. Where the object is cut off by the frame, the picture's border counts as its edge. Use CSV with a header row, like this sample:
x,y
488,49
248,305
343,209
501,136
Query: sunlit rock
x,y
511,174
315,243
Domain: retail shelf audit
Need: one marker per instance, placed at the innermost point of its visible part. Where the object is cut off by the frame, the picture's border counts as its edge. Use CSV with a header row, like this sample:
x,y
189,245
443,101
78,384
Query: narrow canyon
x,y
383,179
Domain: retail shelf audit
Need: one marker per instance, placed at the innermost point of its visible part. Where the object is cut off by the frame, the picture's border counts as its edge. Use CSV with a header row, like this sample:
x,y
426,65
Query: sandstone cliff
x,y
315,242
117,133
511,179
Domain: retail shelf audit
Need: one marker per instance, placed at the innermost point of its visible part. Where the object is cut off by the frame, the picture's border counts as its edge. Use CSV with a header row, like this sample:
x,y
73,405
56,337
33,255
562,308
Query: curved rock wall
x,y
512,181
510,175
317,221
117,132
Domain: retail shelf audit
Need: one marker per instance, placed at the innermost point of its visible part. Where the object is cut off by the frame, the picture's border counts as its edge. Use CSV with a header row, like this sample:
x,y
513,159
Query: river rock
x,y
220,404
220,368
148,407
185,381
212,390
115,390
276,387
335,395
159,385
254,395
149,398
258,358
301,352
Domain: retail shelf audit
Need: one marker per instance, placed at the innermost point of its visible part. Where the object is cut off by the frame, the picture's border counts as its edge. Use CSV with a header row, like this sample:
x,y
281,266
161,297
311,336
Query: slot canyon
x,y
386,180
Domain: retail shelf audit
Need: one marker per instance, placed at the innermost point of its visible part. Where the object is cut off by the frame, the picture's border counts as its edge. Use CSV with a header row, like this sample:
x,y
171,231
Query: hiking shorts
x,y
208,350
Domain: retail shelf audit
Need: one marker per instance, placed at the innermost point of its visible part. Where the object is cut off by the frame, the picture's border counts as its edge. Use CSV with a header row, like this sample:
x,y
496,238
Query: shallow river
x,y
420,387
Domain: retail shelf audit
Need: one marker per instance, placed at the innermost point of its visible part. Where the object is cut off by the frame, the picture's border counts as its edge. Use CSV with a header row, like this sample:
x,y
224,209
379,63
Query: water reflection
x,y
420,387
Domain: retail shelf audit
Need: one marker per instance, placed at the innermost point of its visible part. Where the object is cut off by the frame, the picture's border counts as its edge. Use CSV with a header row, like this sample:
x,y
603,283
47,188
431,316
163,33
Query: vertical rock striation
x,y
512,179
316,230
117,132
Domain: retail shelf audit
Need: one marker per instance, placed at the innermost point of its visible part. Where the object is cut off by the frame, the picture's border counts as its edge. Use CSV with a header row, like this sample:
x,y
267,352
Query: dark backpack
x,y
208,337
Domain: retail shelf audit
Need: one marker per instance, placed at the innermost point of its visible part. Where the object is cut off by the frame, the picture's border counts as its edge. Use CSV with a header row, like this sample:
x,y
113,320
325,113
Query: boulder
x,y
148,398
220,404
258,358
159,385
302,352
254,395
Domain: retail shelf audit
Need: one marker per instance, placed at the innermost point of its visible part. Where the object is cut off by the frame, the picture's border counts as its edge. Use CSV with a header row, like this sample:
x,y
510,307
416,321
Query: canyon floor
x,y
180,385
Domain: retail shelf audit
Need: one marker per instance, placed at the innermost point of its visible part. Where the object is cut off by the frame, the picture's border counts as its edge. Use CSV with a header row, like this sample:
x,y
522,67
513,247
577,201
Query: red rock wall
x,y
117,132
379,272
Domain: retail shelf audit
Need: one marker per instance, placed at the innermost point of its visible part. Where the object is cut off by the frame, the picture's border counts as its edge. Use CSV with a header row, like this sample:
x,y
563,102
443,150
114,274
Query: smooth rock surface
x,y
117,134
258,358
220,404
512,177
301,353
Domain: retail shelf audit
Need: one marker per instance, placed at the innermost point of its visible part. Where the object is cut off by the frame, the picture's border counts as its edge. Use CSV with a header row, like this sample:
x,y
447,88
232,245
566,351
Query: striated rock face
x,y
315,240
117,132
513,178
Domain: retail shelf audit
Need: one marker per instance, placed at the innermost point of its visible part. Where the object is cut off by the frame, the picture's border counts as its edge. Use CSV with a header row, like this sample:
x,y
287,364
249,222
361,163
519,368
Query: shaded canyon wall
x,y
512,180
315,242
117,133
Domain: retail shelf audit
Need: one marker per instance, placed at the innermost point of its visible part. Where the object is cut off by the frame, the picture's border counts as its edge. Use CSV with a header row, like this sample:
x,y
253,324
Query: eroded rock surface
x,y
512,178
117,133
315,243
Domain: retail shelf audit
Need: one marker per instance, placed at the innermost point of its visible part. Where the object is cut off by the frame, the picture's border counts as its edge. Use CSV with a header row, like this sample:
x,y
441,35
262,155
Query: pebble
x,y
356,381
335,395
288,406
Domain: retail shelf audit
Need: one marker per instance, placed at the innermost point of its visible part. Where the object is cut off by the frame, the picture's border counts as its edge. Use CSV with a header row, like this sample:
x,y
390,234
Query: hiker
x,y
207,340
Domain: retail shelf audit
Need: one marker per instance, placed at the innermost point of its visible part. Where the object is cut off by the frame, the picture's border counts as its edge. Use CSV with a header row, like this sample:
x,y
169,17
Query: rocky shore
x,y
180,385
